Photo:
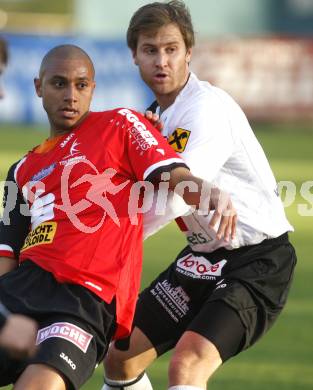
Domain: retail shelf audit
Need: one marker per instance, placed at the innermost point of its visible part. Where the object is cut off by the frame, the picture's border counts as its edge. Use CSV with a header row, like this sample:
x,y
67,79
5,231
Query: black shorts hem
x,y
226,330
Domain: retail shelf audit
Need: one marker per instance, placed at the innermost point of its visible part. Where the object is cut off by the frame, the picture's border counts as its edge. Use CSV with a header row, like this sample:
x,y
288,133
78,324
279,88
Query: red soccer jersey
x,y
81,194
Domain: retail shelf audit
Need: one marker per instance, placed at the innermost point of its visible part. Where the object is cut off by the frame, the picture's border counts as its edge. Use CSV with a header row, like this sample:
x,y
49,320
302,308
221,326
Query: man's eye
x,y
82,85
150,51
59,84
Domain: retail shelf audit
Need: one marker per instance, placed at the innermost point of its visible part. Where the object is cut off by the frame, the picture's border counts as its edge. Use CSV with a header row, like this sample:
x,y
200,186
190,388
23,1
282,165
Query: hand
x,y
154,119
205,197
18,336
224,212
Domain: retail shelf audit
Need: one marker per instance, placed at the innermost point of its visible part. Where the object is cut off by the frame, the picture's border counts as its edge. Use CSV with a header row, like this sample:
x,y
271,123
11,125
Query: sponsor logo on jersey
x,y
68,360
73,149
74,156
43,234
67,139
43,173
138,132
198,238
179,139
198,267
72,160
67,331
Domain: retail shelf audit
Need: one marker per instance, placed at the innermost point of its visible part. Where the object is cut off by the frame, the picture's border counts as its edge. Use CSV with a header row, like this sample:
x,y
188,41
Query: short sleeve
x,y
14,226
206,136
148,151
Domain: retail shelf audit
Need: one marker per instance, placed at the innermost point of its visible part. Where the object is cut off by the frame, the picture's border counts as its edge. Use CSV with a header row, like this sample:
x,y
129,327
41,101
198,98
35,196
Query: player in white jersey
x,y
217,298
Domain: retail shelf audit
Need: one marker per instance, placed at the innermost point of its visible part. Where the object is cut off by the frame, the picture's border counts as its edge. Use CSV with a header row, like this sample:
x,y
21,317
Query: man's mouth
x,y
160,76
68,112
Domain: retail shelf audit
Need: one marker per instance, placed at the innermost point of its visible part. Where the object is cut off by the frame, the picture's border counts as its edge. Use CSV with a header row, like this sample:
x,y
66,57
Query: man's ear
x,y
188,55
37,83
93,86
134,57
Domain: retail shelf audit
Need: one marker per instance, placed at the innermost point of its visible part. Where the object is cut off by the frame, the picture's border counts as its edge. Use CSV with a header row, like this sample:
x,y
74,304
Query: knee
x,y
182,362
192,364
119,367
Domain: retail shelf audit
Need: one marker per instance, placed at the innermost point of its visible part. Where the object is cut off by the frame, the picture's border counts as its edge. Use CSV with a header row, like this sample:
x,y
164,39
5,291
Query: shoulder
x,y
197,98
202,92
130,117
210,103
14,168
117,113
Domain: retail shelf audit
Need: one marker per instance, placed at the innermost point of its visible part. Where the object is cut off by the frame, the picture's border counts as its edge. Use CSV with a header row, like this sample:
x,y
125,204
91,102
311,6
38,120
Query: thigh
x,y
69,347
248,299
220,325
75,326
10,369
40,377
165,309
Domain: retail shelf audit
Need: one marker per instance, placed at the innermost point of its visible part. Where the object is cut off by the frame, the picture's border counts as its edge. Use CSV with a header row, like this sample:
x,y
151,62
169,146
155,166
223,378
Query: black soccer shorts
x,y
230,297
75,326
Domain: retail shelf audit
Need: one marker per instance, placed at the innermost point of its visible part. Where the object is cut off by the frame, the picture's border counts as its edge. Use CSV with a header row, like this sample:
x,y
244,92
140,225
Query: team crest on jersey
x,y
43,234
179,139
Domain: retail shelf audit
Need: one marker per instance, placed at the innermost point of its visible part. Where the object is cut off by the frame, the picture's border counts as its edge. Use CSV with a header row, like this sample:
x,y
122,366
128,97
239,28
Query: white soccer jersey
x,y
212,134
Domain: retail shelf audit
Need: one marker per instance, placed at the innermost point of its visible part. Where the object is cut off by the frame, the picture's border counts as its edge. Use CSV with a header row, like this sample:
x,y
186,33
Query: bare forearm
x,y
188,186
206,197
7,264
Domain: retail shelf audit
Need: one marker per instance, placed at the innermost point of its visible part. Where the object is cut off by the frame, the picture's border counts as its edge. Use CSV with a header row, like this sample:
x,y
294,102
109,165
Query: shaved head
x,y
64,53
65,85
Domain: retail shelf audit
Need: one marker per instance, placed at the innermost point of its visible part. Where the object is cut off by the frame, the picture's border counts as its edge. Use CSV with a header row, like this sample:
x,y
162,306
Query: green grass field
x,y
283,359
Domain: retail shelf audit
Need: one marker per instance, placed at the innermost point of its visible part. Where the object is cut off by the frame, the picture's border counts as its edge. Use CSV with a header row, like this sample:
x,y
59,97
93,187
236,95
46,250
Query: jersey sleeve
x,y
148,151
14,226
204,138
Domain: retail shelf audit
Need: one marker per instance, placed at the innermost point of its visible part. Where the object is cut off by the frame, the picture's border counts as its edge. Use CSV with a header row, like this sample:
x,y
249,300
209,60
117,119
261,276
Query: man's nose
x,y
161,59
70,94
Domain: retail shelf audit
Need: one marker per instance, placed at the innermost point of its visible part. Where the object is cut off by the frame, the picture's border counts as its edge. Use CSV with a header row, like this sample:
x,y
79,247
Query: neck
x,y
166,100
56,131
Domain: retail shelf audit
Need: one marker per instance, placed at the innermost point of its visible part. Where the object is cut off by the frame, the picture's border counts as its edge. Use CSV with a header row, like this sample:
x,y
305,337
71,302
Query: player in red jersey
x,y
71,219
17,333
